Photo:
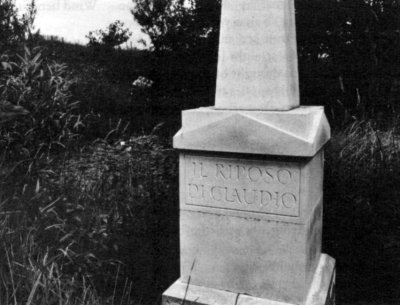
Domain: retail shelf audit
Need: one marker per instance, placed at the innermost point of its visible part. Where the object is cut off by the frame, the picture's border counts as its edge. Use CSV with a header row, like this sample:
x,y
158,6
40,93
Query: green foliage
x,y
112,37
44,89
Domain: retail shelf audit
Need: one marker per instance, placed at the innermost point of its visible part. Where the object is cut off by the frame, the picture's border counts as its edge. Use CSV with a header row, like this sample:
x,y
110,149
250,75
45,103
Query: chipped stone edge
x,y
321,291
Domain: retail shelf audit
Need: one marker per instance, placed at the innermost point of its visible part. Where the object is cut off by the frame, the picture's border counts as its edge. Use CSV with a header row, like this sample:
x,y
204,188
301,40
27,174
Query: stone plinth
x,y
251,204
321,291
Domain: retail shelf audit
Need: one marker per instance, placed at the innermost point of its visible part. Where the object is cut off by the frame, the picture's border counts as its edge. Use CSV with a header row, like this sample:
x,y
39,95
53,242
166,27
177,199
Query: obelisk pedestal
x,y
251,173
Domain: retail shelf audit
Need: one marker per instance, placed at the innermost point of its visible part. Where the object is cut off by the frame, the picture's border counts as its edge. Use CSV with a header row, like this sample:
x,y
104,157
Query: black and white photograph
x,y
199,152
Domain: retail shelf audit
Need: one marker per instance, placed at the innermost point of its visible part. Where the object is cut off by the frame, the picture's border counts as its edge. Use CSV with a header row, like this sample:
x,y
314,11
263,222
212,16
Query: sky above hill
x,y
73,19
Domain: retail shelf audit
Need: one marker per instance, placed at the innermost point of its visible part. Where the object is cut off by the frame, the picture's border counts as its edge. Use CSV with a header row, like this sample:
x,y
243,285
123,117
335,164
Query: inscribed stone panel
x,y
266,187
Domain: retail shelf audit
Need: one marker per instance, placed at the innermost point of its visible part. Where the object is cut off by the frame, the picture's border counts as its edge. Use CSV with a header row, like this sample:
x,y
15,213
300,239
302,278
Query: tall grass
x,y
81,222
92,228
33,276
362,210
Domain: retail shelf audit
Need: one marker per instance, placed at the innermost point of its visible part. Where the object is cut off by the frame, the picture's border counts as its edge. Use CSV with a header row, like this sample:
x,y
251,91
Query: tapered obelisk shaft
x,y
257,67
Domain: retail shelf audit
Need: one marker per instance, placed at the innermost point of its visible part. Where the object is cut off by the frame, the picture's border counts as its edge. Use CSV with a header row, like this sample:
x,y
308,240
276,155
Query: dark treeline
x,y
349,55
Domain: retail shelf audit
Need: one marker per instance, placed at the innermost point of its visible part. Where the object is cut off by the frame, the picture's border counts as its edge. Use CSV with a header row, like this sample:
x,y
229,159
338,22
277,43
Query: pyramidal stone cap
x,y
301,132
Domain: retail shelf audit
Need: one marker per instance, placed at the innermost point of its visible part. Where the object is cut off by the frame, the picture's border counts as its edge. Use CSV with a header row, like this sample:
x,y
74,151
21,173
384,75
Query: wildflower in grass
x,y
142,83
141,95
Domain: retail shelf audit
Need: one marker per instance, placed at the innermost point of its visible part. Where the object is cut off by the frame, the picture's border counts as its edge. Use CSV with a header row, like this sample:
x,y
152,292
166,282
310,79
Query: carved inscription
x,y
243,185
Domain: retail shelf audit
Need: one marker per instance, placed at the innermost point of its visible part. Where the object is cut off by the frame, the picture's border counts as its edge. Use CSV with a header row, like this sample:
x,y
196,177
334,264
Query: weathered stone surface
x,y
257,66
252,187
320,293
185,293
251,225
300,132
322,290
266,259
264,187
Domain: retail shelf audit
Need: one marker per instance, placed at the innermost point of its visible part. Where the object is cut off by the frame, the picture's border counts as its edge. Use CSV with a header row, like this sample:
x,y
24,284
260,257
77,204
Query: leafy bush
x,y
177,25
44,89
112,37
14,28
184,36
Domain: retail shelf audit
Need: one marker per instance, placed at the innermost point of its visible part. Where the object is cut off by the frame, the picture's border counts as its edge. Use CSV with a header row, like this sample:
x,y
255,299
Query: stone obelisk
x,y
251,173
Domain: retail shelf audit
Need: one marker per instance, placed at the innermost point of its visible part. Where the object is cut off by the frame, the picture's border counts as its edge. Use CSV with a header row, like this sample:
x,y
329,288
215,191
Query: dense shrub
x,y
112,37
15,28
184,35
44,89
177,25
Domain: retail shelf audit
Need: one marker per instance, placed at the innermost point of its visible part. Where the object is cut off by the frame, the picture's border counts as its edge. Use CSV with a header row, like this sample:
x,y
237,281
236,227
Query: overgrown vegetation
x,y
85,231
362,211
15,28
52,122
78,222
88,186
348,56
184,36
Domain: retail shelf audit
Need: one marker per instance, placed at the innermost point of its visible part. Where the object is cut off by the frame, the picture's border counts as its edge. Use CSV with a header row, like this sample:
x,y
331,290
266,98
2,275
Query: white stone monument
x,y
251,173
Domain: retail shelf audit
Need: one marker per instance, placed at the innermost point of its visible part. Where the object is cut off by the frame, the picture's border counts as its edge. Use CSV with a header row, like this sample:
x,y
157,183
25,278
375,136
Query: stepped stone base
x,y
321,292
